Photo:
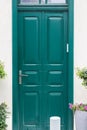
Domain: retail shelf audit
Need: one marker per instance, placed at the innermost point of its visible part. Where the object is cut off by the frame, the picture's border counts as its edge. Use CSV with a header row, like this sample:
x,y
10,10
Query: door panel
x,y
31,40
31,101
42,57
33,78
55,67
30,64
55,41
54,77
55,103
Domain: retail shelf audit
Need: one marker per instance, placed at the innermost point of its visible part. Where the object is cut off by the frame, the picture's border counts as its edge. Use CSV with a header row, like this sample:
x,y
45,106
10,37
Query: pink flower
x,y
70,105
81,104
85,107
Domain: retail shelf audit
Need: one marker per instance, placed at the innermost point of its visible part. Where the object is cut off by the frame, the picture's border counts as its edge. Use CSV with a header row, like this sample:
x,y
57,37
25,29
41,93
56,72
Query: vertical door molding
x,y
70,61
15,112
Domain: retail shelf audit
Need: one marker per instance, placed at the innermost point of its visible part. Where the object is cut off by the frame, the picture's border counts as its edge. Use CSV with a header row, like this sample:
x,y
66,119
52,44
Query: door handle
x,y
21,75
25,75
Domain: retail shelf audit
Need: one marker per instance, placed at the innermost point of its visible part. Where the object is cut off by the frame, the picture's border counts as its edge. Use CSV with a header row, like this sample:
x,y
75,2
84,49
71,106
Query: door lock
x,y
21,75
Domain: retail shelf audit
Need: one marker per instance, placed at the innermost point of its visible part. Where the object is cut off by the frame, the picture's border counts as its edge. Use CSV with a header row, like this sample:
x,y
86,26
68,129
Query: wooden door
x,y
42,59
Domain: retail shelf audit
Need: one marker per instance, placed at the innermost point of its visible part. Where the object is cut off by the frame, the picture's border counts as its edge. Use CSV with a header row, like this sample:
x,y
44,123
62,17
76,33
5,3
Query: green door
x,y
42,59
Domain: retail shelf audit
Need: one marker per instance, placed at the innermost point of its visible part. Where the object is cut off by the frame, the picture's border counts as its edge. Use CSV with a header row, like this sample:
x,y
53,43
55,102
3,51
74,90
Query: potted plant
x,y
82,74
80,110
2,70
3,116
3,106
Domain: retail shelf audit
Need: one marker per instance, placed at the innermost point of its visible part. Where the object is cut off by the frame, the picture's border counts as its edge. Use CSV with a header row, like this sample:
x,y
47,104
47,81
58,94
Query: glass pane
x,y
29,1
57,1
42,1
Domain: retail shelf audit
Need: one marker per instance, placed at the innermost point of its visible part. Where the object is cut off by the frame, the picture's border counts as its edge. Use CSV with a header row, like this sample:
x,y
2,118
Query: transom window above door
x,y
29,2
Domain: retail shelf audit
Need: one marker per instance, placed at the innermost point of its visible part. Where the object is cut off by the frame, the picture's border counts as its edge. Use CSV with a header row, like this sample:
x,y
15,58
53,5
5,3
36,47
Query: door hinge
x,y
67,47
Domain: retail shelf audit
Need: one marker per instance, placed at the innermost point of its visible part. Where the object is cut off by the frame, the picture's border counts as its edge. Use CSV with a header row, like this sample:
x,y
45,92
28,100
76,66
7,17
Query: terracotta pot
x,y
81,120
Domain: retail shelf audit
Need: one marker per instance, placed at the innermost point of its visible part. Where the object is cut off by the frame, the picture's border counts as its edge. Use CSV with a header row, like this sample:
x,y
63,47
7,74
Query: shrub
x,y
3,116
2,70
82,74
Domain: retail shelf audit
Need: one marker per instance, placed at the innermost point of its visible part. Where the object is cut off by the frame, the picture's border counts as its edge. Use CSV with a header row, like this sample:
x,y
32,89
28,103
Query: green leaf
x,y
3,116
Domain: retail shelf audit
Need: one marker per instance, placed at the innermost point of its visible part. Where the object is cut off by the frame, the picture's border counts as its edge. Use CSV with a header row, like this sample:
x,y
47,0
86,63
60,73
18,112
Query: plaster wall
x,y
80,47
6,54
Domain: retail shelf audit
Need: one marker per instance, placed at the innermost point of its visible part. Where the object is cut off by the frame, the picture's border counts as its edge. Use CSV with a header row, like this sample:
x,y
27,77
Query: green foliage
x,y
3,116
2,70
82,74
80,107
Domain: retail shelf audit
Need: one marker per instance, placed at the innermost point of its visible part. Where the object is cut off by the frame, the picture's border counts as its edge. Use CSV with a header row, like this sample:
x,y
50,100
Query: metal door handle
x,y
21,75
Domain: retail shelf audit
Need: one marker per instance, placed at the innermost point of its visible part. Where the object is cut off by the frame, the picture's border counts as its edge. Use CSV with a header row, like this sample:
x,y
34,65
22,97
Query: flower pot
x,y
81,120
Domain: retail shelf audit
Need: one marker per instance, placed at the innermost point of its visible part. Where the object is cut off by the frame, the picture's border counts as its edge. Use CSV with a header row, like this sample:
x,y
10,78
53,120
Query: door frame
x,y
15,104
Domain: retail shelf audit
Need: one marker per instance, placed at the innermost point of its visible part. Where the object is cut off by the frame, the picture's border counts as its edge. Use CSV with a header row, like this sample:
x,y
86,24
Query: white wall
x,y
80,46
80,49
6,54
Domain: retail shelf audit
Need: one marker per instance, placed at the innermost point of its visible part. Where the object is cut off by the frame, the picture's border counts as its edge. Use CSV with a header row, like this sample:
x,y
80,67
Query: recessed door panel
x,y
55,104
33,78
55,77
55,40
31,100
31,40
